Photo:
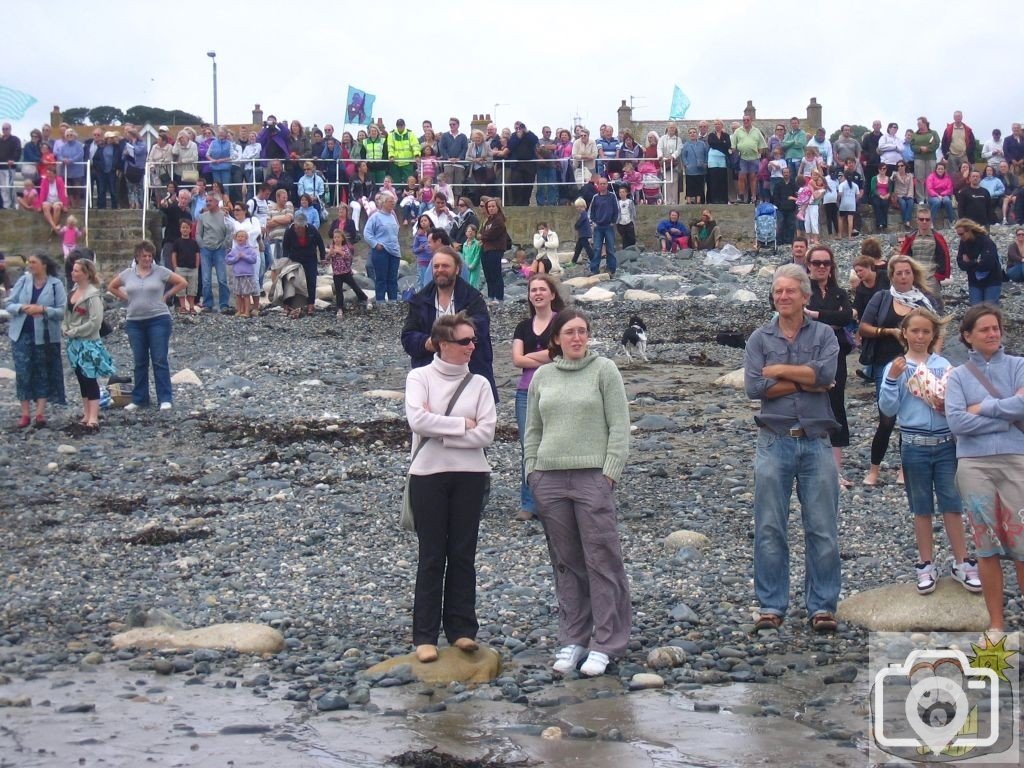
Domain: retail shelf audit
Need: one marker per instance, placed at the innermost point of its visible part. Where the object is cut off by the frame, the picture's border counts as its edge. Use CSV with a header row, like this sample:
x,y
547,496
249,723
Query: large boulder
x,y
587,281
597,294
452,666
244,638
899,608
635,294
734,380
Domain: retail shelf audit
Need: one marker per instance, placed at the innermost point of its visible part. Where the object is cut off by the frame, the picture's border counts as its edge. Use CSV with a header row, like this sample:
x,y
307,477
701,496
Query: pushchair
x,y
766,229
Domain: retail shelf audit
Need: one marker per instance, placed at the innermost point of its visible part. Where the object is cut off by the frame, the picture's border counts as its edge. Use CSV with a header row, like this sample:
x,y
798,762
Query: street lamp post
x,y
213,57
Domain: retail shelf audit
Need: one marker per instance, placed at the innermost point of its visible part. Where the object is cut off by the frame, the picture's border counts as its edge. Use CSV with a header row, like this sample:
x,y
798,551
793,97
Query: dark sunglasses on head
x,y
464,342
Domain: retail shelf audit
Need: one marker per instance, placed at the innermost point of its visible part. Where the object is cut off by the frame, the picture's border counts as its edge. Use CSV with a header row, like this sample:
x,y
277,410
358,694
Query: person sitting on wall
x,y
672,233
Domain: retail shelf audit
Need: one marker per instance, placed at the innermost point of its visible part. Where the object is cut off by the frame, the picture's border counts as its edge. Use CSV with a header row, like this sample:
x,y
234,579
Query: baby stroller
x,y
766,227
651,182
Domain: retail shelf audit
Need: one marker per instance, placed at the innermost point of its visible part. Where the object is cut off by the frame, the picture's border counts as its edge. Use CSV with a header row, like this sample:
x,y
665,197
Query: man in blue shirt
x,y
790,365
381,234
604,212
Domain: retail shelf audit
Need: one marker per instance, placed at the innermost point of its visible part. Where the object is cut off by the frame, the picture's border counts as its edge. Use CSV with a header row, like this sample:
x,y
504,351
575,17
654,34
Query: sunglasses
x,y
924,220
820,263
464,342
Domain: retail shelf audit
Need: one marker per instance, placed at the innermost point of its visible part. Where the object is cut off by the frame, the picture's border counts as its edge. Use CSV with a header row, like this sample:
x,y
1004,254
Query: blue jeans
x,y
385,275
778,462
425,275
106,182
945,204
1016,273
547,192
930,471
525,494
907,209
990,293
605,235
149,340
223,175
213,259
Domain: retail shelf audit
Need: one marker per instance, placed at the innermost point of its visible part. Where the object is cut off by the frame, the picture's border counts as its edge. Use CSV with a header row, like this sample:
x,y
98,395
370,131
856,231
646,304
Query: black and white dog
x,y
634,340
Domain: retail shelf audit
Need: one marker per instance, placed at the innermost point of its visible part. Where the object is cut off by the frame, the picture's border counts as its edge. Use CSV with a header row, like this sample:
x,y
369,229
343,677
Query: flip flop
x,y
767,621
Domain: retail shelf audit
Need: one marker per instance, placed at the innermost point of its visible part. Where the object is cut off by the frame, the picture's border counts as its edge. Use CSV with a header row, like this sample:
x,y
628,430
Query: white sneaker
x,y
966,574
131,407
165,406
926,578
595,664
567,658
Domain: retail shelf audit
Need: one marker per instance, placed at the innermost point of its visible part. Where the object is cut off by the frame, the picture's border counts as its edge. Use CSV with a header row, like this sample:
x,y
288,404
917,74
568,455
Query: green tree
x,y
106,115
75,116
141,114
857,131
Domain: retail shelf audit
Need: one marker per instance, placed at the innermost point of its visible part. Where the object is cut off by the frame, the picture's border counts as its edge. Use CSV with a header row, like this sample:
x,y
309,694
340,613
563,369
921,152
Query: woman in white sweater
x,y
452,416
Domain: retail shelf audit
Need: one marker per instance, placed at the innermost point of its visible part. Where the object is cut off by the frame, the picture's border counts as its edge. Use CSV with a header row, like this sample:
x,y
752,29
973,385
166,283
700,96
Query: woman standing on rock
x,y
985,409
37,304
86,353
913,391
147,287
494,243
452,417
577,441
880,331
830,304
530,350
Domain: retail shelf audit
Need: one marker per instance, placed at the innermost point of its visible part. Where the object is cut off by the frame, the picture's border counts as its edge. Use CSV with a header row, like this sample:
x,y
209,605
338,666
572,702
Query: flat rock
x,y
646,680
766,272
679,539
385,394
587,281
743,296
734,380
6,373
452,666
186,376
242,637
653,422
635,294
899,608
597,294
742,269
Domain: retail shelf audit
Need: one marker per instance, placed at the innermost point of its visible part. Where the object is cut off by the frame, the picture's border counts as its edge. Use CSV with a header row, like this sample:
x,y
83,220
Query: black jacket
x,y
979,258
782,193
422,313
303,254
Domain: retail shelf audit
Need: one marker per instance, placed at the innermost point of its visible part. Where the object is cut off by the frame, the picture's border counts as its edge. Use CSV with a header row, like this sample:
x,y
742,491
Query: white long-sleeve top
x,y
452,447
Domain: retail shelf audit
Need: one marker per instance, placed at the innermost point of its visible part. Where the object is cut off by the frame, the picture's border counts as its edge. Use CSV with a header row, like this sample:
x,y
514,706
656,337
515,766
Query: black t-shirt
x,y
187,251
531,341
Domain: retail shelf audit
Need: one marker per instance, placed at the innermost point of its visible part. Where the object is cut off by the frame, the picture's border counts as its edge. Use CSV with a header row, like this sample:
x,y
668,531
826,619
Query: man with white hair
x,y
790,365
958,143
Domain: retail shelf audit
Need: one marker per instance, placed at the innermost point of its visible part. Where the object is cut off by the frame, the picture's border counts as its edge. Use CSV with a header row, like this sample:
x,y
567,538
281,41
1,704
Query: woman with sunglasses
x,y
890,148
1015,257
830,304
577,441
903,190
452,417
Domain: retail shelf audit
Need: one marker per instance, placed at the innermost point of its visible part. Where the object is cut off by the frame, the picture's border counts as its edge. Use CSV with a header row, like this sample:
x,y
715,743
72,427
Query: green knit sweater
x,y
577,417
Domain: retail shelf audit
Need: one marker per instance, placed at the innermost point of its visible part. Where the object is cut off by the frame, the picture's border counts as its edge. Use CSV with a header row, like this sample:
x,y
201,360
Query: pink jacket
x,y
44,192
939,186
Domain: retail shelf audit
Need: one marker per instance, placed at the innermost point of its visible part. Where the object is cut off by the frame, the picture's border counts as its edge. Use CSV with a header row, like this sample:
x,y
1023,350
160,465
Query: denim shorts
x,y
750,166
929,472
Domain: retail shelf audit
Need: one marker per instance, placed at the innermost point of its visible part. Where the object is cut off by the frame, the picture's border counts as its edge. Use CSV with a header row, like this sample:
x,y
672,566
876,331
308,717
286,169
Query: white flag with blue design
x,y
680,103
14,104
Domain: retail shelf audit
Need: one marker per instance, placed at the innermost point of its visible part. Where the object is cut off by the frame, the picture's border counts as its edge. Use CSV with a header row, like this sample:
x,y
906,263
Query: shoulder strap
x,y
971,366
451,404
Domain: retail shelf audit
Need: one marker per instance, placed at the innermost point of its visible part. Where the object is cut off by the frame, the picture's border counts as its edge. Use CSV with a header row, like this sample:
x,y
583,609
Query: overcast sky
x,y
541,62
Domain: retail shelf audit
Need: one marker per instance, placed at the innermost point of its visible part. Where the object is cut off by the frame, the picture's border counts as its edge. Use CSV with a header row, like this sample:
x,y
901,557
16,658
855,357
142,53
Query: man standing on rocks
x,y
926,246
10,153
604,212
448,294
213,232
958,143
790,365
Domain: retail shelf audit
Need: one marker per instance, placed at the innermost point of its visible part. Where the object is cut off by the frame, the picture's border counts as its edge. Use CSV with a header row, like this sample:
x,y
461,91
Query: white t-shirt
x,y
776,167
259,210
625,214
848,196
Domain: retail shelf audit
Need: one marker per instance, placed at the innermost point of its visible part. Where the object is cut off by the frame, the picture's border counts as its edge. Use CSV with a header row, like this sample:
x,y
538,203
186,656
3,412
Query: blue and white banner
x,y
359,107
14,104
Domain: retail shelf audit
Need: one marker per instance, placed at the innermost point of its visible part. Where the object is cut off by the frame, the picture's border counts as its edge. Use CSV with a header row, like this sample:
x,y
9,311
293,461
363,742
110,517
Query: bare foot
x,y
426,653
467,644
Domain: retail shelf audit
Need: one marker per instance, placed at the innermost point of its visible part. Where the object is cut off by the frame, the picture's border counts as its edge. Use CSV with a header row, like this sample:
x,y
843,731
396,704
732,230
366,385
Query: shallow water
x,y
140,719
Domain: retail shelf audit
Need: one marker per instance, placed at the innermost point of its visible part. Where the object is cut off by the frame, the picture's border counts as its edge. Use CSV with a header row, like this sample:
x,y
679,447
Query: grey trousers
x,y
577,509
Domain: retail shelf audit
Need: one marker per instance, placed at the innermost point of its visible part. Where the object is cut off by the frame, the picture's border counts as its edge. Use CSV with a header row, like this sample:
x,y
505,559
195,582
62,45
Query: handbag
x,y
971,366
133,174
105,329
405,519
190,177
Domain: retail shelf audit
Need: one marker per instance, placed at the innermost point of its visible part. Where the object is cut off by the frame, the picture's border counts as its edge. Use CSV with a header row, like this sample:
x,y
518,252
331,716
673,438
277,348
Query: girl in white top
x,y
849,194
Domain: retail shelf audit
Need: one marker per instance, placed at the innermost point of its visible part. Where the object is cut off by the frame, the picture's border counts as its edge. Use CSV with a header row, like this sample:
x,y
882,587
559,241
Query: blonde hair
x,y
580,203
71,221
971,225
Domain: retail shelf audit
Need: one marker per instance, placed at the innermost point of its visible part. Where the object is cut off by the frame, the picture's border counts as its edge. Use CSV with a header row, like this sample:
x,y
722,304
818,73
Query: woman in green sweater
x,y
577,440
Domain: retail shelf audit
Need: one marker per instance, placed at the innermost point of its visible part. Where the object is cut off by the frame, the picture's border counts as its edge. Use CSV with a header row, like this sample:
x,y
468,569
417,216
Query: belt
x,y
924,440
797,432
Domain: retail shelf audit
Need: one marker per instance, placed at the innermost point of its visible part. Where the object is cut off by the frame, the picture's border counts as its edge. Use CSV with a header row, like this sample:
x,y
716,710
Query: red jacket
x,y
942,265
947,139
44,192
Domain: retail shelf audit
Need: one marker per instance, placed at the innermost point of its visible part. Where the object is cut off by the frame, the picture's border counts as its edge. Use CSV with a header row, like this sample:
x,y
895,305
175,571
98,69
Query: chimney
x,y
55,117
625,113
813,115
479,122
750,109
257,115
